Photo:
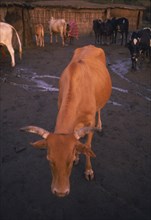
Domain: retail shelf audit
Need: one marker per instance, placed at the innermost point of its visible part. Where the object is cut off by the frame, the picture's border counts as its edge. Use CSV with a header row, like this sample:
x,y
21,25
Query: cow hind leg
x,y
62,41
43,42
11,51
99,122
50,37
56,36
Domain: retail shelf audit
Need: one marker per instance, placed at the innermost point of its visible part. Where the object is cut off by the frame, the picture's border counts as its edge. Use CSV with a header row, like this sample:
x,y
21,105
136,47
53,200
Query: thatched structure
x,y
25,15
17,14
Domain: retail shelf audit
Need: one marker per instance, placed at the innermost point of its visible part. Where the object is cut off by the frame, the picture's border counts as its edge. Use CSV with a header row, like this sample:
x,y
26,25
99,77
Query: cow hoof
x,y
89,174
100,133
77,158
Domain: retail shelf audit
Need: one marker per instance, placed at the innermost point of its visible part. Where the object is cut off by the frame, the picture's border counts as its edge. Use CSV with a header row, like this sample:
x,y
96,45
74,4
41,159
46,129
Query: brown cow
x,y
85,87
39,35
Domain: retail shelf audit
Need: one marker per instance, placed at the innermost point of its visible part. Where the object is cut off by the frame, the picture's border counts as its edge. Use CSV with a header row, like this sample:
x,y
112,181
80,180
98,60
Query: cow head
x,y
61,153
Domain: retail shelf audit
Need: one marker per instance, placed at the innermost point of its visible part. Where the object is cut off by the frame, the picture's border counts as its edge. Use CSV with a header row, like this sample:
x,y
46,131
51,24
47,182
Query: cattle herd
x,y
105,32
138,42
79,100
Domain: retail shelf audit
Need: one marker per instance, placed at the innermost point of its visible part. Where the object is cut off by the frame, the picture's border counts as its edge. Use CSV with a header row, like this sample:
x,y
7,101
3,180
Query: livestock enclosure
x,y
25,15
121,187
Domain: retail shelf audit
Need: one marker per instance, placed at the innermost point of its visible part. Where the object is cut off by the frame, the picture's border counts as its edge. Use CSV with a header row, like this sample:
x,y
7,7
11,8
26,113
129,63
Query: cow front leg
x,y
77,158
89,173
56,36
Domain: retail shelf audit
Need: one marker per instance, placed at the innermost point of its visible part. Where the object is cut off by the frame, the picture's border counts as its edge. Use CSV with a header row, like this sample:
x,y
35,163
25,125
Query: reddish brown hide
x,y
84,88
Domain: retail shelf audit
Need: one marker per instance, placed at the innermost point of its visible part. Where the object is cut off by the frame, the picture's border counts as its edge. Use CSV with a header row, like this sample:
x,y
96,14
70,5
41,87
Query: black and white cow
x,y
140,45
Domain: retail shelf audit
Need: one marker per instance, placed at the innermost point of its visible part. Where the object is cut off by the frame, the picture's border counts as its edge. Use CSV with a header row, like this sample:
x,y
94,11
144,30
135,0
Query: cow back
x,y
85,87
58,26
6,33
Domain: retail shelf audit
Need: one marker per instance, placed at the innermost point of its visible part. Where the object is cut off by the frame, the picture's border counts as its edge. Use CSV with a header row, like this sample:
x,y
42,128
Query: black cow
x,y
108,31
98,30
103,31
145,42
121,25
140,45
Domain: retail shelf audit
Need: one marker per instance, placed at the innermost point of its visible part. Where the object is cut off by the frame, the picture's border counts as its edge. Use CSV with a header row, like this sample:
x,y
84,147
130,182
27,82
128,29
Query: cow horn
x,y
85,130
37,130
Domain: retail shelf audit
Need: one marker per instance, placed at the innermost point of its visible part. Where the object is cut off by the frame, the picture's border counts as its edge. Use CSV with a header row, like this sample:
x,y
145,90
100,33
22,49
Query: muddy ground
x,y
121,189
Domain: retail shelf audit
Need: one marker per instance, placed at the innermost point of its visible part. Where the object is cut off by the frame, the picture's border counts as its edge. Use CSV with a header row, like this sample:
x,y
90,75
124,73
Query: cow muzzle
x,y
60,193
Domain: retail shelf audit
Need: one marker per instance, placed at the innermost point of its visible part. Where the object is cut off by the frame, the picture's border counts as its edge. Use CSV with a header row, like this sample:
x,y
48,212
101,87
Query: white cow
x,y
57,26
6,35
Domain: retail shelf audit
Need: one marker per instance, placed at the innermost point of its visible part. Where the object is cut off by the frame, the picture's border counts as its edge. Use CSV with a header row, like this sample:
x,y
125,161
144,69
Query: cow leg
x,y
95,38
2,51
36,40
11,51
122,38
76,161
51,37
56,36
89,174
62,37
126,34
43,42
40,42
99,122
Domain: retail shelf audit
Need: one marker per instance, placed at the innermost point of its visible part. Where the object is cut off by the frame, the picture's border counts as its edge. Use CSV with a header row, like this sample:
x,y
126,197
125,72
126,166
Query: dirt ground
x,y
121,189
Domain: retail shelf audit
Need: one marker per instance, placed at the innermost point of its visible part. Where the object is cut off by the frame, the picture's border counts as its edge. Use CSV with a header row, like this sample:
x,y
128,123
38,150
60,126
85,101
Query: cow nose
x,y
60,193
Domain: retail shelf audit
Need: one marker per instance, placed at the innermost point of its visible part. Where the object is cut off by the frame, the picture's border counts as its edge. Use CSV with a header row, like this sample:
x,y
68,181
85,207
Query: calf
x,y
84,88
39,35
6,35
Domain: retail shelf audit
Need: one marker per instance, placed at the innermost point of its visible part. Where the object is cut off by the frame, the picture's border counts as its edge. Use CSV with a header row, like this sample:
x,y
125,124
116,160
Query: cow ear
x,y
84,150
41,144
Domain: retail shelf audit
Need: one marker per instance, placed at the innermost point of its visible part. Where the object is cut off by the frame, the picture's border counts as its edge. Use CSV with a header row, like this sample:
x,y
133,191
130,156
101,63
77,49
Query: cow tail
x,y
19,42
